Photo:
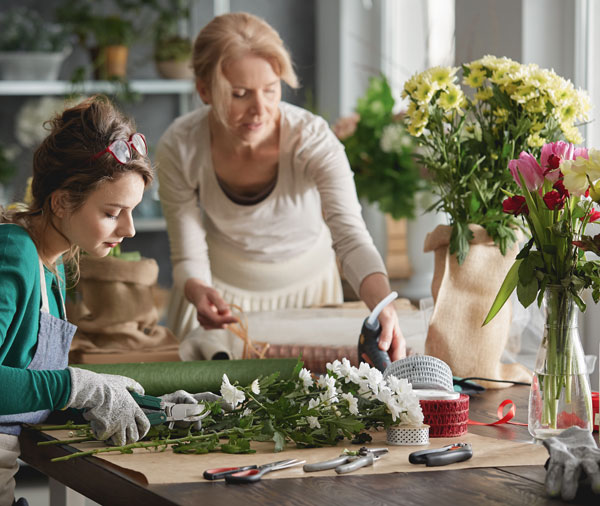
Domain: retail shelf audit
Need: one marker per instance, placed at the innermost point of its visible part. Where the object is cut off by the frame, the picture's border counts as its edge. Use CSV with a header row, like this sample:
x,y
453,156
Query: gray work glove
x,y
571,452
183,397
108,405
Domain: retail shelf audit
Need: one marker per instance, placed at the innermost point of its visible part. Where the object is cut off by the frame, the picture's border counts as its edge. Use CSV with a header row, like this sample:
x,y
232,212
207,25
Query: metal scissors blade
x,y
220,472
254,475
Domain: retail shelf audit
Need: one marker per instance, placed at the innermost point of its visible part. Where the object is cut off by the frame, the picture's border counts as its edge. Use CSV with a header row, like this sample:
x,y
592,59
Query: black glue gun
x,y
368,342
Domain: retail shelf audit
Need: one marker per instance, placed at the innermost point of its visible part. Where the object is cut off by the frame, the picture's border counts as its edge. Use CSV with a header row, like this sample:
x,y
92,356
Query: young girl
x,y
88,175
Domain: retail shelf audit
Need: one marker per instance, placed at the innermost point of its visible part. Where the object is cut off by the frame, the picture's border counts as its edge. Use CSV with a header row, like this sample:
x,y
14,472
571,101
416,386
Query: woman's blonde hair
x,y
232,36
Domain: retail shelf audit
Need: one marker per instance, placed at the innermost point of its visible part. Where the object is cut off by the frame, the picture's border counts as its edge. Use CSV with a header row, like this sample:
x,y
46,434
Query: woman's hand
x,y
213,311
391,338
374,288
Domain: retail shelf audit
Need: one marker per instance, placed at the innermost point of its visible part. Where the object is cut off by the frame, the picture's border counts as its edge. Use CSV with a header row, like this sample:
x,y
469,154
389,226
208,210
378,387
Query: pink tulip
x,y
529,168
553,153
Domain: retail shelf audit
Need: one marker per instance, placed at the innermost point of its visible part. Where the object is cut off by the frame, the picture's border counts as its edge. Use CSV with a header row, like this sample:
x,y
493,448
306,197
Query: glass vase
x,y
560,394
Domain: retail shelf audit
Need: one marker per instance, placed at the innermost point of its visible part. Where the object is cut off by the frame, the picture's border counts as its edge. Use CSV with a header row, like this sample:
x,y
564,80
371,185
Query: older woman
x,y
257,191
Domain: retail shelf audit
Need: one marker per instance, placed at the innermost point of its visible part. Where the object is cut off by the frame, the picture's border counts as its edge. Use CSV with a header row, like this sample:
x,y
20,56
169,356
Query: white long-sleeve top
x,y
314,187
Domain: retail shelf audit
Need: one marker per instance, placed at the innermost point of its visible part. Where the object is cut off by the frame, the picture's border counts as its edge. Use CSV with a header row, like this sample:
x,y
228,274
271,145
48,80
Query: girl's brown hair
x,y
65,161
232,36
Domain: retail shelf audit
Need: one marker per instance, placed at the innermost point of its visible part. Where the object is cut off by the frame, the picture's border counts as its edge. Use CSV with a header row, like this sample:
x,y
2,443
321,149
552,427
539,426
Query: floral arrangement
x,y
380,151
467,139
309,412
557,199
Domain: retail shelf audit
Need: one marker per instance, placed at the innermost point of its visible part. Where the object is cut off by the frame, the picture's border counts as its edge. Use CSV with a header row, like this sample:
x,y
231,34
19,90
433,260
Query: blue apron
x,y
52,353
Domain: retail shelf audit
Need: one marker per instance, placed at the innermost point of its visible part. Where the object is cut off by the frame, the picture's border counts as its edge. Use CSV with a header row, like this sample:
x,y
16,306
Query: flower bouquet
x,y
557,199
467,139
308,412
380,152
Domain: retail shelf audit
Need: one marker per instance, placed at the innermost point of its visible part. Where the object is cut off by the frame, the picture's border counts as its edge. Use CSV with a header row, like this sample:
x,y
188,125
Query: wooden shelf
x,y
144,86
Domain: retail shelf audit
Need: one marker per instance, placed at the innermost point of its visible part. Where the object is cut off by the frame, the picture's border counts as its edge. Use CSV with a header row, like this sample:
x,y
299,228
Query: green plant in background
x,y
169,44
381,152
466,142
7,166
23,29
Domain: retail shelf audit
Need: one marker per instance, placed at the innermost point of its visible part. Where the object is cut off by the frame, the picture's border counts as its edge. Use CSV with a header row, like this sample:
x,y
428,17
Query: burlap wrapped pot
x,y
463,295
117,311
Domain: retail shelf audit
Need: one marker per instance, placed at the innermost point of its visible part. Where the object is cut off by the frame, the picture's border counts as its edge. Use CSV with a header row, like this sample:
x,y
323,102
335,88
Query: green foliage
x,y
381,153
7,167
174,48
341,405
23,29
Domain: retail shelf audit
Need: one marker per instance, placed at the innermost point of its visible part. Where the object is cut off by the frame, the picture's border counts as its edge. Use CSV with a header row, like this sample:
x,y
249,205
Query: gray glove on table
x,y
108,405
571,452
183,397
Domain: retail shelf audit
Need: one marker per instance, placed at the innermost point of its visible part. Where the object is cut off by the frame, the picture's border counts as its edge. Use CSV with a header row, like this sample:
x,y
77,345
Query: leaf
x,y
508,286
527,293
279,439
459,241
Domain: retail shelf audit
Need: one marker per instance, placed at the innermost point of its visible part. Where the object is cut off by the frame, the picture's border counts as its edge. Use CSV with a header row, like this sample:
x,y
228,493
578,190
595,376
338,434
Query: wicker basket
x,y
422,371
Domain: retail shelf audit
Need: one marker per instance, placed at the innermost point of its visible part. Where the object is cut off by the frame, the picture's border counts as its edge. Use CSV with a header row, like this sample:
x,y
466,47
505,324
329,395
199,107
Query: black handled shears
x,y
449,454
248,474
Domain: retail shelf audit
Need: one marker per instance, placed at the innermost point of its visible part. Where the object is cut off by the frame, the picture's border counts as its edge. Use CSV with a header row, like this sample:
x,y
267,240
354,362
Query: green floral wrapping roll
x,y
160,378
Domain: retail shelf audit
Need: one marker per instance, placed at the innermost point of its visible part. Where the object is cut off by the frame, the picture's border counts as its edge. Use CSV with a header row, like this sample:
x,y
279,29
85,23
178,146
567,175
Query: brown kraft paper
x,y
463,295
162,467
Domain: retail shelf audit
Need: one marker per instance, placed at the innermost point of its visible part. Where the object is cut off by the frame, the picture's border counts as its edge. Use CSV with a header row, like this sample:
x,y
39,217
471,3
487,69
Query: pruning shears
x,y
348,461
442,456
248,474
158,411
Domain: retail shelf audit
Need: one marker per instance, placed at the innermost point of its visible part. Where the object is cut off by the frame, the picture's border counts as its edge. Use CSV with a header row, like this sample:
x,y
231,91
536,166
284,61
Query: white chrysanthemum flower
x,y
313,403
230,393
306,378
345,369
255,387
352,403
334,366
326,382
247,412
399,386
313,422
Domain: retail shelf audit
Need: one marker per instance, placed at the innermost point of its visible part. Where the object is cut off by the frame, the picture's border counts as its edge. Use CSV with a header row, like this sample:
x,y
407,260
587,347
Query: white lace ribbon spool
x,y
408,436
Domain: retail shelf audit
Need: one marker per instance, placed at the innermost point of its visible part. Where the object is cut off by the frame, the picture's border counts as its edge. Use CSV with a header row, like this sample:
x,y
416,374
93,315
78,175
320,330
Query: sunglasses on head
x,y
121,148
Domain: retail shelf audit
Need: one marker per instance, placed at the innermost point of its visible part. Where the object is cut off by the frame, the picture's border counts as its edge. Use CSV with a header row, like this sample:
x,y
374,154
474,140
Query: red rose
x,y
554,200
515,205
559,186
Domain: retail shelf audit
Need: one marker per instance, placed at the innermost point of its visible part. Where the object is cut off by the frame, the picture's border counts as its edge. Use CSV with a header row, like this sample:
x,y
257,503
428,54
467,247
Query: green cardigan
x,y
20,300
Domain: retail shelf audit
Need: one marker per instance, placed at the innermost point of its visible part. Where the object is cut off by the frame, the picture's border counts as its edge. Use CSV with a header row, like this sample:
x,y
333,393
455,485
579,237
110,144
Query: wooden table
x,y
107,485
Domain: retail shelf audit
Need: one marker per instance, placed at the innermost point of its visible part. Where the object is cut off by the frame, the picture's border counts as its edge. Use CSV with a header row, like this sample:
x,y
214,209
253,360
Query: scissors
x,y
248,474
442,456
349,460
158,411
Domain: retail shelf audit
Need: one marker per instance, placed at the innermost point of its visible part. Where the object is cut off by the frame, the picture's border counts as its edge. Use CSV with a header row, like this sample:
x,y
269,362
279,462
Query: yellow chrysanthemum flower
x,y
442,76
410,86
535,140
484,94
572,134
536,105
475,79
451,98
424,92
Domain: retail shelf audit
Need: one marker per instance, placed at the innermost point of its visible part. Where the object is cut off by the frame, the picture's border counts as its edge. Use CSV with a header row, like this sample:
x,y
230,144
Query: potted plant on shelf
x,y
172,50
31,47
107,36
